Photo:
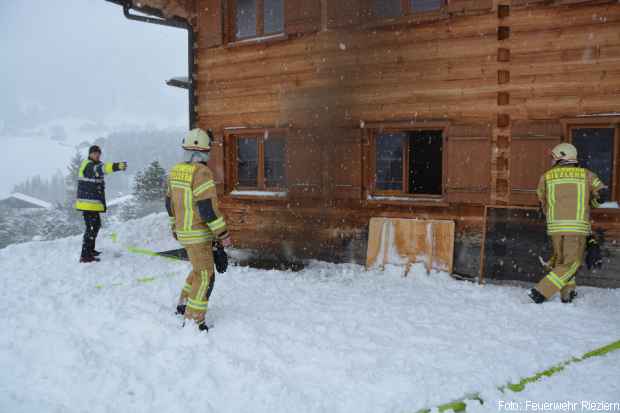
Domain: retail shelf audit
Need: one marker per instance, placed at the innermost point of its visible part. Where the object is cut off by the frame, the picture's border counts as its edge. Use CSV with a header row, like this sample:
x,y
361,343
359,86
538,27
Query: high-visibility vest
x,y
91,185
567,193
192,205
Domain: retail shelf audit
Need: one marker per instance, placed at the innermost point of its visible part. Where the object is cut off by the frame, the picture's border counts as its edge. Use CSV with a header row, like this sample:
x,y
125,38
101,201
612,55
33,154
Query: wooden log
x,y
608,88
327,61
473,28
446,76
561,39
550,18
327,43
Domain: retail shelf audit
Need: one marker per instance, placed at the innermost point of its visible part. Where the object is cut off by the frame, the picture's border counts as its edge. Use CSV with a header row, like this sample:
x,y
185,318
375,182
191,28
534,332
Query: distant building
x,y
21,201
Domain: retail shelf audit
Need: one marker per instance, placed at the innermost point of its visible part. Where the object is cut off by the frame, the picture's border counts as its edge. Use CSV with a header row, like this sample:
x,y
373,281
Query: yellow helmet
x,y
564,152
197,140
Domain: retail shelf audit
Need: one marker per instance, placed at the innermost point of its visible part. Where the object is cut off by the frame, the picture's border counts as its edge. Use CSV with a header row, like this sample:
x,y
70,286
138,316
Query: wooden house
x,y
329,112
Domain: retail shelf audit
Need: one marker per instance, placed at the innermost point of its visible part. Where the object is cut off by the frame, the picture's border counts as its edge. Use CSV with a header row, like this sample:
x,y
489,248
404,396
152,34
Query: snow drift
x,y
331,338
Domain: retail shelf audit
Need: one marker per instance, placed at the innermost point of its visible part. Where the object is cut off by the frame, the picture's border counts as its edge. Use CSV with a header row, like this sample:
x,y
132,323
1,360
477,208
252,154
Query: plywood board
x,y
399,241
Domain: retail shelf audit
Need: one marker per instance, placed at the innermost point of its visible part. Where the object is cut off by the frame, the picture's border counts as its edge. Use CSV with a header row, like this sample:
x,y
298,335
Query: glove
x,y
173,229
547,265
220,258
226,241
119,166
594,258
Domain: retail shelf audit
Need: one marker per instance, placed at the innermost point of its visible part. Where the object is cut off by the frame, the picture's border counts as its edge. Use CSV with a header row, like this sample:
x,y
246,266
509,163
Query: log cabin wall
x,y
497,78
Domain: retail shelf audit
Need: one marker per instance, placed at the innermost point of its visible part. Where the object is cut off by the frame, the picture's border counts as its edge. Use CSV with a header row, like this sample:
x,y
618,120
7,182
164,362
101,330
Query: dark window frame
x,y
600,122
406,9
373,131
260,135
231,32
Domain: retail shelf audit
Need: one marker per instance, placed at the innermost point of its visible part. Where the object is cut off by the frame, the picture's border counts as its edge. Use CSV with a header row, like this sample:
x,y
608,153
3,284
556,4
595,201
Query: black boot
x,y
537,297
570,298
181,309
88,259
202,326
96,253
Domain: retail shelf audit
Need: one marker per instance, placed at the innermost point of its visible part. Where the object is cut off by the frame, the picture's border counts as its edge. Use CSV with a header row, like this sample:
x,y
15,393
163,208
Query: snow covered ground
x,y
331,338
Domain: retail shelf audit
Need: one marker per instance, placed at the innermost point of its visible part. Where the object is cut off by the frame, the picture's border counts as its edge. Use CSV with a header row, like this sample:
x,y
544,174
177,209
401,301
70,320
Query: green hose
x,y
460,405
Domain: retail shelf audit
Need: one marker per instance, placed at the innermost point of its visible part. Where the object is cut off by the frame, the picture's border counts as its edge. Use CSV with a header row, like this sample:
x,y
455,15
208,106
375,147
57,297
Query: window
x,y
409,162
256,18
260,161
388,8
395,8
274,163
390,156
274,16
595,146
419,6
247,162
597,139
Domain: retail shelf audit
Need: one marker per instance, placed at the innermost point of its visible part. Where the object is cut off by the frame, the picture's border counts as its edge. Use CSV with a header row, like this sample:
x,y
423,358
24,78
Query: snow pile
x,y
331,338
120,200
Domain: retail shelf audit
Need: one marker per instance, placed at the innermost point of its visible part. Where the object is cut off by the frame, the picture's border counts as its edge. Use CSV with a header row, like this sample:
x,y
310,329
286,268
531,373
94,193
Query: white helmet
x,y
197,140
564,152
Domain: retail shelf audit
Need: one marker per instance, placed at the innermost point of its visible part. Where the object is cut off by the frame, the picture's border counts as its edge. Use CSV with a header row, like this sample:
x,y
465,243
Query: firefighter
x,y
91,198
196,222
566,193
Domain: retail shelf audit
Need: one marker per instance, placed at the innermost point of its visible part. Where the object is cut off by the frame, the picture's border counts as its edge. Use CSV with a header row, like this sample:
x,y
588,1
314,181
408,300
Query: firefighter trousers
x,y
92,222
199,282
568,252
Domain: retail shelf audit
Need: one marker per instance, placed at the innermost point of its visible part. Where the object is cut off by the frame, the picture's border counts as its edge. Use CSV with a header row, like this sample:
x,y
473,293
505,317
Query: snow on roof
x,y
31,200
119,200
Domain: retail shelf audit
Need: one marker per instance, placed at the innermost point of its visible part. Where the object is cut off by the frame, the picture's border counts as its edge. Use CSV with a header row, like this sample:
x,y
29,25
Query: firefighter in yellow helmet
x,y
566,192
196,222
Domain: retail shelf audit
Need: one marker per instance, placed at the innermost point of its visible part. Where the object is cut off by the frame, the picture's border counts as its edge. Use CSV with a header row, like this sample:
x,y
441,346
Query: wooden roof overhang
x,y
166,9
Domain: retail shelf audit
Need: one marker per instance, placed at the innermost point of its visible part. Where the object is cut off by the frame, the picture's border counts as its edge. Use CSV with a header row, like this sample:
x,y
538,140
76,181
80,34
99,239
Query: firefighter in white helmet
x,y
196,222
566,193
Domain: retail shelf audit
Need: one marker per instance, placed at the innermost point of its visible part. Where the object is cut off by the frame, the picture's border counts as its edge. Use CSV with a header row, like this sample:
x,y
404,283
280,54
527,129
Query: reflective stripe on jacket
x,y
91,185
567,193
191,201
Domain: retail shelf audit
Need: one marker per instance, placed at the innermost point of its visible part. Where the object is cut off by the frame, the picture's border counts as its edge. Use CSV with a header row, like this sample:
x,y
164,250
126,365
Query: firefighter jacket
x,y
567,193
91,185
191,202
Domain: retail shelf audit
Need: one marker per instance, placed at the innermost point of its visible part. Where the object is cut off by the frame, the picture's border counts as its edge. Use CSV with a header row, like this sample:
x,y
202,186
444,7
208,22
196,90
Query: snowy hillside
x,y
60,139
331,338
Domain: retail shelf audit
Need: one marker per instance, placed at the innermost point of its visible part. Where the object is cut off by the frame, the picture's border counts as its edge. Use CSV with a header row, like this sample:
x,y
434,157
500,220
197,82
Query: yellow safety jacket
x,y
567,193
91,185
191,202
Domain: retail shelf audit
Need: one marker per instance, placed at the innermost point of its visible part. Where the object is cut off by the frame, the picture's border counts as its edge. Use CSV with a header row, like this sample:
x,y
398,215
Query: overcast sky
x,y
83,59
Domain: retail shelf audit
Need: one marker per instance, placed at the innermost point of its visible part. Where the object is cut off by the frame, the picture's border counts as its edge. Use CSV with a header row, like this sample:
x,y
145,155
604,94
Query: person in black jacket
x,y
91,197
